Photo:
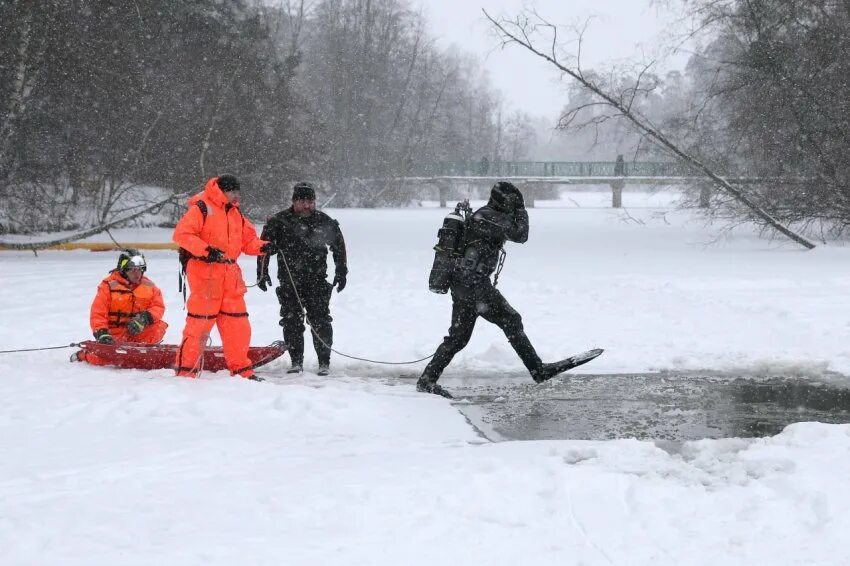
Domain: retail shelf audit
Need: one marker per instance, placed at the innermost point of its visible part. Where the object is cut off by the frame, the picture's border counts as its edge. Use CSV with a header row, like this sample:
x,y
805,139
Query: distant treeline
x,y
100,96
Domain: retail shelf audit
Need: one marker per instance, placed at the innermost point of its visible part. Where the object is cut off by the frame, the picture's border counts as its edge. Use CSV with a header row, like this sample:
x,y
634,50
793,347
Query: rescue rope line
x,y
316,334
262,275
199,365
501,263
71,345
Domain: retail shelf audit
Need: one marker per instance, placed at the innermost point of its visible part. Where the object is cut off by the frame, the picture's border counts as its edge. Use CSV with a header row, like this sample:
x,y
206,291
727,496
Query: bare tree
x,y
770,86
526,30
390,100
519,136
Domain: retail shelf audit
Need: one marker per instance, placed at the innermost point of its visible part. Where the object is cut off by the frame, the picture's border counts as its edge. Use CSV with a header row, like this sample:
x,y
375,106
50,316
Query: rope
x,y
71,345
199,365
502,255
262,274
316,334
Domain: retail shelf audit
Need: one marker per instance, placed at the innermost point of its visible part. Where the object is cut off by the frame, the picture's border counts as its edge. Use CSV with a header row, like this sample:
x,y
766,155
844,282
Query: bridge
x,y
551,169
531,175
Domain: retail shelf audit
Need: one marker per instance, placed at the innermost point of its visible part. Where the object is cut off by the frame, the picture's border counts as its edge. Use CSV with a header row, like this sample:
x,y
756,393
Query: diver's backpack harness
x,y
453,252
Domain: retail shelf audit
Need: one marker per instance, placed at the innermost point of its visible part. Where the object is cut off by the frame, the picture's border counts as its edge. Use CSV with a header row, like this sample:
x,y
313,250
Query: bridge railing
x,y
551,169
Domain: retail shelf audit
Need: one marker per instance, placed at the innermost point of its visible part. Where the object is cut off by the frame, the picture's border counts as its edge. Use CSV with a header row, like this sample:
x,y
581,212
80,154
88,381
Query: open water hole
x,y
664,406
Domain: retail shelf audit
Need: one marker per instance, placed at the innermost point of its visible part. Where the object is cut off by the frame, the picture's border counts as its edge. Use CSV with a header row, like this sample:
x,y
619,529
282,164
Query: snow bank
x,y
103,467
100,466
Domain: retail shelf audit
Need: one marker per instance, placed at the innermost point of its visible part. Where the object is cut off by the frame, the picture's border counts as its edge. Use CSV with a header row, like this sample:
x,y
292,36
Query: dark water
x,y
659,406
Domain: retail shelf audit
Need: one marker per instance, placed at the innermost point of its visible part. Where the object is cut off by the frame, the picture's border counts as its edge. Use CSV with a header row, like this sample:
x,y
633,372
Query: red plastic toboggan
x,y
162,356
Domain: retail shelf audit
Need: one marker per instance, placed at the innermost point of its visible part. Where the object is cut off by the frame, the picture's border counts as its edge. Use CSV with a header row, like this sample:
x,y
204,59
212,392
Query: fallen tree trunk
x,y
35,246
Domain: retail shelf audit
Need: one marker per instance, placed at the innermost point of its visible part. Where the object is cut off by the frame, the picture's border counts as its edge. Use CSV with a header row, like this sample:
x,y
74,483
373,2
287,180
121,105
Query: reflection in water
x,y
778,402
666,406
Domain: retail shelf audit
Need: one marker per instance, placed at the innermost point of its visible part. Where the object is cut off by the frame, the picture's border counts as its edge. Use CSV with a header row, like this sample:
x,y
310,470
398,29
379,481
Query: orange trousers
x,y
216,297
152,334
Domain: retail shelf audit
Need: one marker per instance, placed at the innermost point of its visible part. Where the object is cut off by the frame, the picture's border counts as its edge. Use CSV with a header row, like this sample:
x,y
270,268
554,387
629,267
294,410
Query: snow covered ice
x,y
105,466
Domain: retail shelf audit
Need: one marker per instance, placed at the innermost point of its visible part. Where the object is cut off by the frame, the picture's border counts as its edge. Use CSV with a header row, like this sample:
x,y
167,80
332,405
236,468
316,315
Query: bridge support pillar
x,y
617,194
527,191
704,196
443,190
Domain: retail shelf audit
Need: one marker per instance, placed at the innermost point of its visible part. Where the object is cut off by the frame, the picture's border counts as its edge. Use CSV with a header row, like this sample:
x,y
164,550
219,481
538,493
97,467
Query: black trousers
x,y
316,297
470,299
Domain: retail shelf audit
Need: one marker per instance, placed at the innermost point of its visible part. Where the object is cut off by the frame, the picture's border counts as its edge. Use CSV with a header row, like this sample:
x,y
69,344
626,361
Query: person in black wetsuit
x,y
502,219
303,235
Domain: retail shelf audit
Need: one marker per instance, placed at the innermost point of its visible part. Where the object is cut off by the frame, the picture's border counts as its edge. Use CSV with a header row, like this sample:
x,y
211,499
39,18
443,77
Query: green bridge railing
x,y
550,169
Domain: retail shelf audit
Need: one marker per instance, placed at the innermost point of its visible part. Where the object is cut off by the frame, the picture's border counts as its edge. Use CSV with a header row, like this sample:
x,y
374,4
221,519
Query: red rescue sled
x,y
160,356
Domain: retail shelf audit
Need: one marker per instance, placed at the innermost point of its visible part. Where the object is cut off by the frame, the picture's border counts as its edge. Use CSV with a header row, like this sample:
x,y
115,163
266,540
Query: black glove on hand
x,y
517,201
339,282
268,249
214,254
264,281
103,336
139,322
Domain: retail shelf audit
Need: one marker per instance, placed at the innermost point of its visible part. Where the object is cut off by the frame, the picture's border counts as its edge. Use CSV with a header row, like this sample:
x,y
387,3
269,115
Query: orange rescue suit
x,y
216,290
117,301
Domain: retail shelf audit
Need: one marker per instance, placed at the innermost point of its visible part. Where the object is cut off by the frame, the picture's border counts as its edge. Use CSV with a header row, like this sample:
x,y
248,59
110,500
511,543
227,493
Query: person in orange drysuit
x,y
214,233
127,308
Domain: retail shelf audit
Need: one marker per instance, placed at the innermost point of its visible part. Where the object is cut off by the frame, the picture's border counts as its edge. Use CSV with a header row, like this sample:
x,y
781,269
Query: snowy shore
x,y
101,466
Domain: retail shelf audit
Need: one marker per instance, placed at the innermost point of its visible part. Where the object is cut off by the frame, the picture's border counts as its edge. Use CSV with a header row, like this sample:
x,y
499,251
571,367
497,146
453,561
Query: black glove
x,y
214,254
268,249
139,322
506,197
103,336
339,281
517,201
263,281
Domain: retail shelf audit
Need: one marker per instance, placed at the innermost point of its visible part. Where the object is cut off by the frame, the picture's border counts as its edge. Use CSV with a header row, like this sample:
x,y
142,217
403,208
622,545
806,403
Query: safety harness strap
x,y
212,316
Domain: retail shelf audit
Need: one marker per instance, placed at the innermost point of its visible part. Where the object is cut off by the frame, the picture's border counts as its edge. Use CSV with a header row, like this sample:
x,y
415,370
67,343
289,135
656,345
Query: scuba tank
x,y
449,247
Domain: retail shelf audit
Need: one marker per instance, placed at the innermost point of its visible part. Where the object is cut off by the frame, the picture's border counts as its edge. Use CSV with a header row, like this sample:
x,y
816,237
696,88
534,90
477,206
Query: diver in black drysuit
x,y
303,236
502,219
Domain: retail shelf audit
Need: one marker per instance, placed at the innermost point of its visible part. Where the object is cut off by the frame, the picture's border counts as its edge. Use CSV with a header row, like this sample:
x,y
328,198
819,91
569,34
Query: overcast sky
x,y
619,30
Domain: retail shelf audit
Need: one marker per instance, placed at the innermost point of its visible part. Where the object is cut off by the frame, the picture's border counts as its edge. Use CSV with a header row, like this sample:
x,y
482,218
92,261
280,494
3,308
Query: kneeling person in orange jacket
x,y
214,233
127,308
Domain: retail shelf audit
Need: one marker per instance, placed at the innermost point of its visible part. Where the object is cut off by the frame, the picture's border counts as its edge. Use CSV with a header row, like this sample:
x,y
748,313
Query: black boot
x,y
297,365
427,386
545,372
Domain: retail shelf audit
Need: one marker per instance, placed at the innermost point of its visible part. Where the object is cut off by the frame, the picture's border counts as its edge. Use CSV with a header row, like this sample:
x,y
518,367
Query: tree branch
x,y
652,133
